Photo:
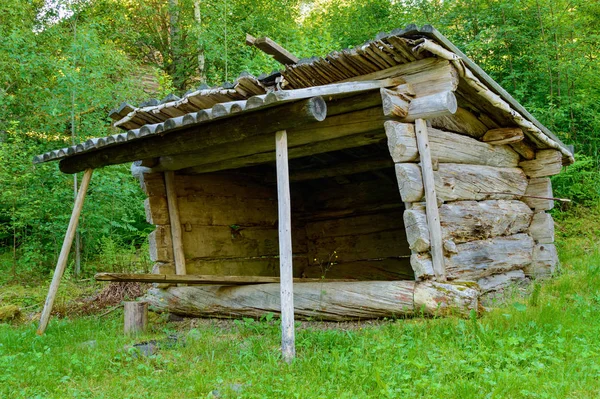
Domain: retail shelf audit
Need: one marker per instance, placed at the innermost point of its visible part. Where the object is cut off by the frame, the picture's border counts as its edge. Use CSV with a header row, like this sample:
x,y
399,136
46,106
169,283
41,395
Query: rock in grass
x,y
9,313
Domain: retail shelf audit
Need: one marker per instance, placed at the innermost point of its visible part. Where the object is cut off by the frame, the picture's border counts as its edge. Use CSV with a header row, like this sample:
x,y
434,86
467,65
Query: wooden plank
x,y
431,207
178,252
324,301
464,221
546,163
505,135
64,252
201,279
269,46
288,346
446,147
477,259
455,182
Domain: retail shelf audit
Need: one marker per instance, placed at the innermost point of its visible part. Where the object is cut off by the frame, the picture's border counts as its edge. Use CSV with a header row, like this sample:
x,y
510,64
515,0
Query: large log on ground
x,y
446,147
477,259
326,301
464,221
197,137
455,182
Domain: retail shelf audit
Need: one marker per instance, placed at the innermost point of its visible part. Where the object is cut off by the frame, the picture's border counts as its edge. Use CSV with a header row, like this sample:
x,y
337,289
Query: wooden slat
x,y
433,216
288,346
202,279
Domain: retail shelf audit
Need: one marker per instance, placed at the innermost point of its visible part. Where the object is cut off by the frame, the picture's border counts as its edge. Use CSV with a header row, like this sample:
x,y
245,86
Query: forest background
x,y
65,64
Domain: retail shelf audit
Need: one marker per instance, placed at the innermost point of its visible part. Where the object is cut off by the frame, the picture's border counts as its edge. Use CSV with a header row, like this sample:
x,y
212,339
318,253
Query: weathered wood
x,y
462,122
135,317
545,261
64,252
463,221
326,301
539,187
542,228
431,206
257,149
270,47
478,259
546,163
194,138
505,135
396,102
431,106
446,147
176,235
523,149
288,345
202,279
380,269
342,169
498,282
454,182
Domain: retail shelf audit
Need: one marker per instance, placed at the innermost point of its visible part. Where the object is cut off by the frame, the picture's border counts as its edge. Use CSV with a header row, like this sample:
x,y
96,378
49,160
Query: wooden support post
x,y
64,252
288,346
135,317
431,206
175,223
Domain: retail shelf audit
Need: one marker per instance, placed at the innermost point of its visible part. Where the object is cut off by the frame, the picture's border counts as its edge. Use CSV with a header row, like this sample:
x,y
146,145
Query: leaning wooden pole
x,y
288,346
176,234
64,252
431,206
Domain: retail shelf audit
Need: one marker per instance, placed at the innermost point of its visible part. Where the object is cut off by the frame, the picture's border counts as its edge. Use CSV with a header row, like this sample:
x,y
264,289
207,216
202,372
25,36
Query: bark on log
x,y
326,301
546,163
478,259
195,138
446,147
542,228
454,182
464,221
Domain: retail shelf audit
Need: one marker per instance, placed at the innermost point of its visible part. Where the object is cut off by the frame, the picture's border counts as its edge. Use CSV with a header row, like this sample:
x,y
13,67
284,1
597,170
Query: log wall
x,y
229,225
494,231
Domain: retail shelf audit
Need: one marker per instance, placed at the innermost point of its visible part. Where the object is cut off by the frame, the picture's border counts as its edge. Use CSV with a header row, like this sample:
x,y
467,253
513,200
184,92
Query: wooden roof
x,y
481,100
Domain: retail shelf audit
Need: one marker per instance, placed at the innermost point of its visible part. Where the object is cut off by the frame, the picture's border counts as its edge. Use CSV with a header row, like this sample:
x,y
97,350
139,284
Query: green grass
x,y
547,346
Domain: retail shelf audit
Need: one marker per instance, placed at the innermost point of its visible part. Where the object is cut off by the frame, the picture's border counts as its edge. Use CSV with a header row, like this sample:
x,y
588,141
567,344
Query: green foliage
x,y
579,182
545,347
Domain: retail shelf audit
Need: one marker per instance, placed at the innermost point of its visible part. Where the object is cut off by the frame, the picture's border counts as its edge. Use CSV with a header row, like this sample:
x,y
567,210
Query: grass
x,y
544,346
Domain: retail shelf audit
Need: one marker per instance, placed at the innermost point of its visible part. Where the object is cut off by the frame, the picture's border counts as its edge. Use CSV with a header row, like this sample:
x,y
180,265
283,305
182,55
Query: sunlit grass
x,y
546,347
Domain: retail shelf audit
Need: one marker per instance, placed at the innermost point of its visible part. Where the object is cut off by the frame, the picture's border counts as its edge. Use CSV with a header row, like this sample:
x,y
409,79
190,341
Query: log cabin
x,y
392,179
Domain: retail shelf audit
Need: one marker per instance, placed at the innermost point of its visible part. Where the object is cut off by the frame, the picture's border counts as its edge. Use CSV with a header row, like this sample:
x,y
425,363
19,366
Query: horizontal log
x,y
523,149
455,182
544,261
464,221
541,188
546,163
198,137
259,148
202,279
478,259
431,106
501,281
505,135
446,147
542,228
324,300
383,269
355,225
396,102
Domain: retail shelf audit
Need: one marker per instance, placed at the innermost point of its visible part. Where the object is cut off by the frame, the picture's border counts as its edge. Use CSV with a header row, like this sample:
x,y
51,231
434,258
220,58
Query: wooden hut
x,y
392,179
